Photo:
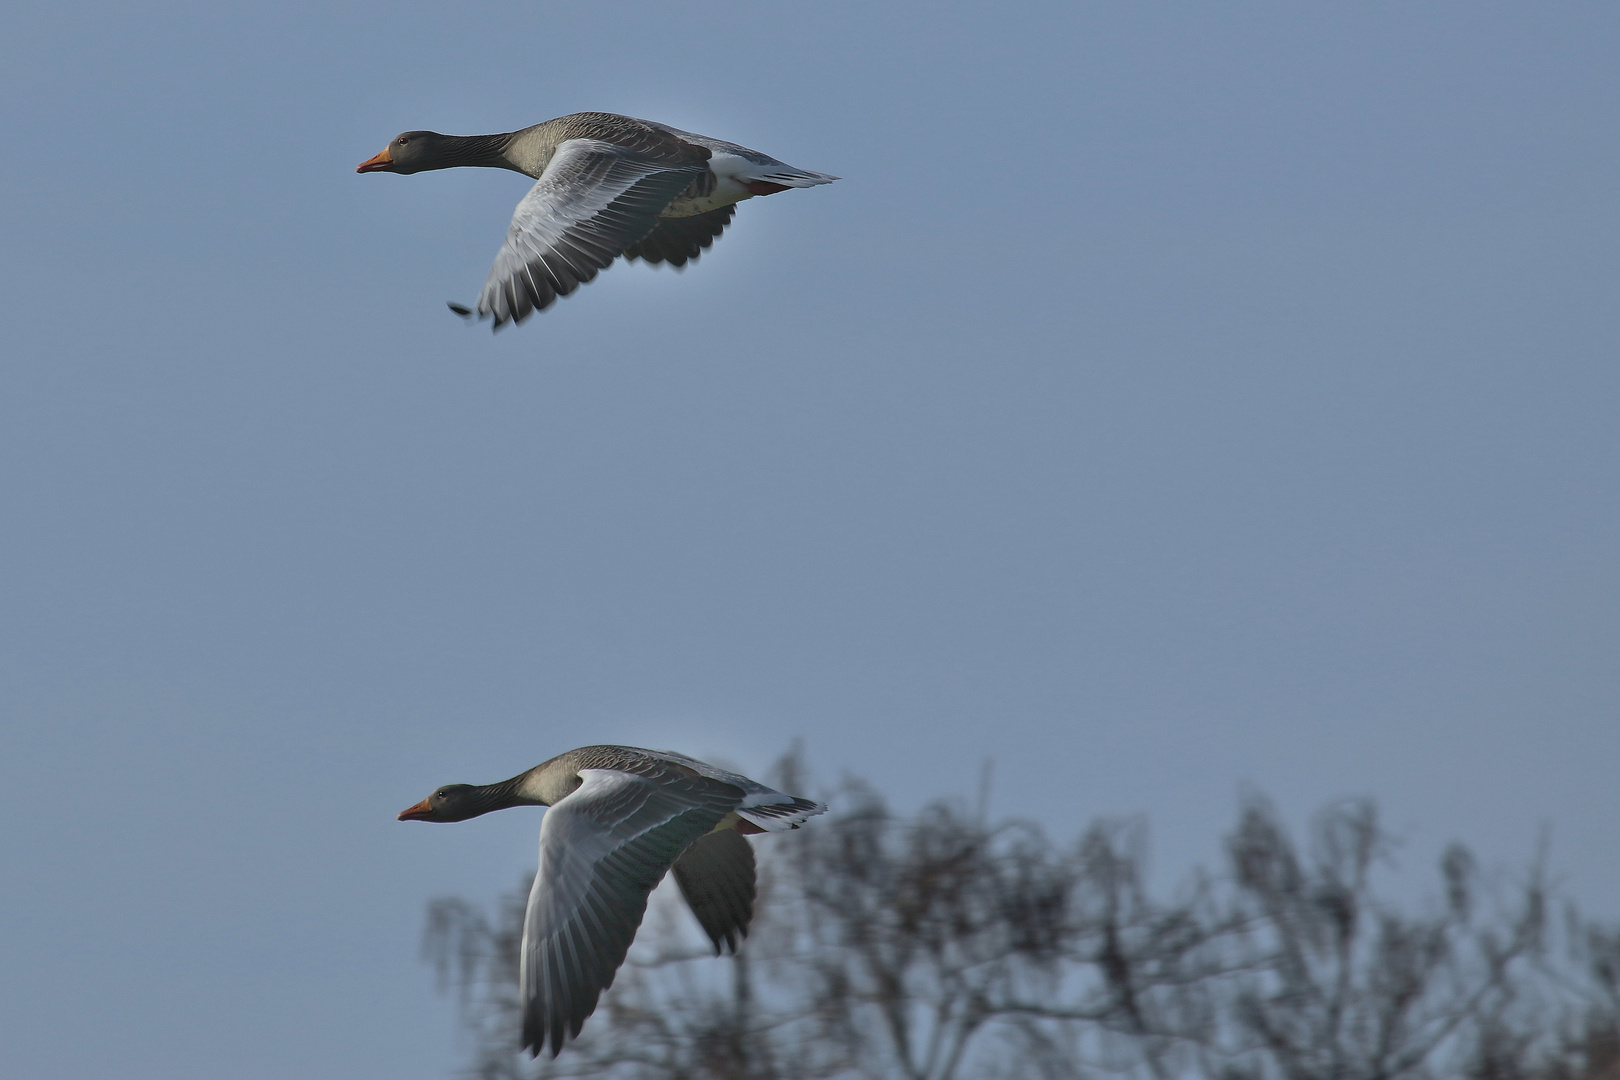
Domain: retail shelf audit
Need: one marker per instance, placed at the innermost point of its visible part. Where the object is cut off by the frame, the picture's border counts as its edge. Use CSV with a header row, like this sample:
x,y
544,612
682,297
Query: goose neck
x,y
478,151
507,793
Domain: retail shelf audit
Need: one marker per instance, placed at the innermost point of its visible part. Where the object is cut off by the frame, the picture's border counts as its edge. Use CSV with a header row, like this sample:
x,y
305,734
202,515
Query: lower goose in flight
x,y
605,185
620,817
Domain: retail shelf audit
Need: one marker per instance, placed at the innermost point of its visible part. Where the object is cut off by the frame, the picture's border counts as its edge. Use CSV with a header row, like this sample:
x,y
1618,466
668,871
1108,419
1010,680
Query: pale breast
x,y
722,191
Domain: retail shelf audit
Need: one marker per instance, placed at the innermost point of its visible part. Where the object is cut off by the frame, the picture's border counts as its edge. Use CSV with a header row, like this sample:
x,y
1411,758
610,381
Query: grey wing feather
x,y
602,850
594,199
716,875
680,240
770,168
718,146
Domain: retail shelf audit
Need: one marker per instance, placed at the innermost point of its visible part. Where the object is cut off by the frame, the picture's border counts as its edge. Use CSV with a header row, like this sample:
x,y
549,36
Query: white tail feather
x,y
780,816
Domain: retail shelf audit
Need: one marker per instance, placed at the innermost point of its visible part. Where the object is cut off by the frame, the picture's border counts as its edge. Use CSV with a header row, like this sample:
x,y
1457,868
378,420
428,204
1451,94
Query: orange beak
x,y
421,811
381,163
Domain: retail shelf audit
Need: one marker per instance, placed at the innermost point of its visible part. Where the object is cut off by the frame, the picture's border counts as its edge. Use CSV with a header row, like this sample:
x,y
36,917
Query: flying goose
x,y
605,185
619,818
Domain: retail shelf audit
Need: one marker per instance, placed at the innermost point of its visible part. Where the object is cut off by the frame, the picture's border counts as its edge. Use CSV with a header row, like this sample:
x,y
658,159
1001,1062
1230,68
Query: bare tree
x,y
1575,1035
1344,986
945,947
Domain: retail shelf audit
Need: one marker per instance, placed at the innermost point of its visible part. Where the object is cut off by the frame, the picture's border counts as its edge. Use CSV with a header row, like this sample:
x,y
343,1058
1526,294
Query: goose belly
x,y
726,190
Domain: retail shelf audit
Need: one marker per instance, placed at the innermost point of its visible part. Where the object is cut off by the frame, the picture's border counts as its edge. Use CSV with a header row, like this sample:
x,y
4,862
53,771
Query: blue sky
x,y
1171,398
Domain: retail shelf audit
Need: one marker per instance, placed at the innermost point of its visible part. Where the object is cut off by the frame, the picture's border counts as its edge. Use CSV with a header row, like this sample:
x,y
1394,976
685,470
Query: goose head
x,y
419,151
411,152
453,802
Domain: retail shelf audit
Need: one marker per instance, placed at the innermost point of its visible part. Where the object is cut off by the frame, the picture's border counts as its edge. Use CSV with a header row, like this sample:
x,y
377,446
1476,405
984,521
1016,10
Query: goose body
x,y
605,185
620,818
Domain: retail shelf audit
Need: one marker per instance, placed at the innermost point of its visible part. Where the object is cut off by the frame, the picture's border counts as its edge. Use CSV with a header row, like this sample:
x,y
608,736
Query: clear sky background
x,y
1171,398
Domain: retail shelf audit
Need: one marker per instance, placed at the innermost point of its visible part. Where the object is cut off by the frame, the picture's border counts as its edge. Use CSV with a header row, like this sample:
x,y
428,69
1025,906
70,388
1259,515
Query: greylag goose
x,y
605,185
619,818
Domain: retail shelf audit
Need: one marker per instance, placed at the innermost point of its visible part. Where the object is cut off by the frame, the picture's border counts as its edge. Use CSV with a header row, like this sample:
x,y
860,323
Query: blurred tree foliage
x,y
945,947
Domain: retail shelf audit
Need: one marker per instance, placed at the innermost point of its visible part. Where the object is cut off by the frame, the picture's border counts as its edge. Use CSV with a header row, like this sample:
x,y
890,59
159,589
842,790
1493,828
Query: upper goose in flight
x,y
619,818
606,185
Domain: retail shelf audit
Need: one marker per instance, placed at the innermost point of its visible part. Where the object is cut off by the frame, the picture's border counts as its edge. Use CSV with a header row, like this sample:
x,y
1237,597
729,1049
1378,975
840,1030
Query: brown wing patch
x,y
632,134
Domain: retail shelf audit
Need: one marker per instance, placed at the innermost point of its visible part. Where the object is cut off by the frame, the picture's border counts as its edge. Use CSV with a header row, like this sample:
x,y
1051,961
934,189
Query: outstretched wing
x,y
594,199
602,849
682,239
716,875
